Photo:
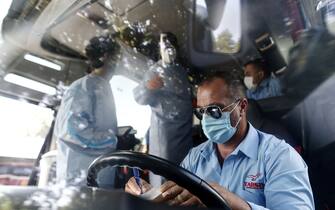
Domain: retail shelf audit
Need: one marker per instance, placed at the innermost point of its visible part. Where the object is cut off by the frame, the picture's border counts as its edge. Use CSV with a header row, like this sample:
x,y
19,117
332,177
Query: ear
x,y
243,105
261,75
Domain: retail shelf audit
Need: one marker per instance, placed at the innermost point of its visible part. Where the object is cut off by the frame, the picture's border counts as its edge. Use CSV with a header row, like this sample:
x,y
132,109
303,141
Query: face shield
x,y
167,50
327,9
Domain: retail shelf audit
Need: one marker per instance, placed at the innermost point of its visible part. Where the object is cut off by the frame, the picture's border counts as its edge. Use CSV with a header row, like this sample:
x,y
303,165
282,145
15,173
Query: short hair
x,y
98,47
235,85
259,64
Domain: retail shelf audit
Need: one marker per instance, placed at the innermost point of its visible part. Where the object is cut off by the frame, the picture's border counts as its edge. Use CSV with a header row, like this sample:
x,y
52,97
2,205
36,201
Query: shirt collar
x,y
99,78
208,149
248,146
265,82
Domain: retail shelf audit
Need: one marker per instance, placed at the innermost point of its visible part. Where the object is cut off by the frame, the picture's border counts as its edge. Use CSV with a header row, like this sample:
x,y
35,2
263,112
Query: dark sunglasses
x,y
215,111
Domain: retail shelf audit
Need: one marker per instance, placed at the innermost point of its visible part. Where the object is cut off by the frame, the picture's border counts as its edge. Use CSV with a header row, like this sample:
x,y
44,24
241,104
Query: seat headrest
x,y
254,114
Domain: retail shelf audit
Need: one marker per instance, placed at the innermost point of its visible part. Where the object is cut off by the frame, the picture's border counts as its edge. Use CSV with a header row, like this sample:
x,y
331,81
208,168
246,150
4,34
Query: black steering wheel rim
x,y
179,175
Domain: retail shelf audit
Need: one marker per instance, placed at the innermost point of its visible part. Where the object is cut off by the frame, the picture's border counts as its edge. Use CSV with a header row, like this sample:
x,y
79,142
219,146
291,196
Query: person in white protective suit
x,y
166,89
86,124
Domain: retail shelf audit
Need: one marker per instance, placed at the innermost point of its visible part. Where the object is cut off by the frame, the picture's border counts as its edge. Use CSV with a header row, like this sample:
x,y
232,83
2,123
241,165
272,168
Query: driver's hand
x,y
132,187
176,195
234,201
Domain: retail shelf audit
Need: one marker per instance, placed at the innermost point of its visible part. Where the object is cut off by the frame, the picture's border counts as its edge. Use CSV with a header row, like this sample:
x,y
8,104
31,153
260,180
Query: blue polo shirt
x,y
263,170
268,88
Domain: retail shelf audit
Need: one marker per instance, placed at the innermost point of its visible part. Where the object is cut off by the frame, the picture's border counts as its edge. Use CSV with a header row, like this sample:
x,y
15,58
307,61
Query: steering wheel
x,y
170,171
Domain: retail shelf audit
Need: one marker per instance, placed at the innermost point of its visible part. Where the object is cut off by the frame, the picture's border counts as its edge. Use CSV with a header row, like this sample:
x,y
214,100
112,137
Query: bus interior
x,y
43,52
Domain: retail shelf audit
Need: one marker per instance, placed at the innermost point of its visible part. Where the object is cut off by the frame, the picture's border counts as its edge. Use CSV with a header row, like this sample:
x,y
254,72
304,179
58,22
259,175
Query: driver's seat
x,y
259,121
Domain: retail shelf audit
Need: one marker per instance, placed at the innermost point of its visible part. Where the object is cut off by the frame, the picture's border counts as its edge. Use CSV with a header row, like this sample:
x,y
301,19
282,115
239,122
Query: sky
x,y
231,19
4,10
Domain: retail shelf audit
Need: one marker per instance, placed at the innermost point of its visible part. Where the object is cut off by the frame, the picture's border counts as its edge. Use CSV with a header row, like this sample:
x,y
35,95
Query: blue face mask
x,y
219,130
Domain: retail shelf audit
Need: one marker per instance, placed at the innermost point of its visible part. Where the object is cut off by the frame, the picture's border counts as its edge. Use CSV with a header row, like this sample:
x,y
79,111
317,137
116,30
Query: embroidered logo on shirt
x,y
251,182
254,177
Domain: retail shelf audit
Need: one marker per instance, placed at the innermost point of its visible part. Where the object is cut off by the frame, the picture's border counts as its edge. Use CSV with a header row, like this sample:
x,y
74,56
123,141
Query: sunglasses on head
x,y
215,111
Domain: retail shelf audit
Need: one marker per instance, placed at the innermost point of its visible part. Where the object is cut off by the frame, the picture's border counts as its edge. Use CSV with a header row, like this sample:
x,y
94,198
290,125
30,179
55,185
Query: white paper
x,y
151,194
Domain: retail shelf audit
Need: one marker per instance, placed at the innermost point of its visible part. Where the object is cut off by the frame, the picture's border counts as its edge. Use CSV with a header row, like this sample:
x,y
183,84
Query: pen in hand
x,y
136,173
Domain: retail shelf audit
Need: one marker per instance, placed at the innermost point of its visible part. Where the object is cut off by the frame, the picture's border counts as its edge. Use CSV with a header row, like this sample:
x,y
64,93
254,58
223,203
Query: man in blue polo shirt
x,y
259,81
249,168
